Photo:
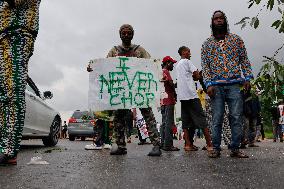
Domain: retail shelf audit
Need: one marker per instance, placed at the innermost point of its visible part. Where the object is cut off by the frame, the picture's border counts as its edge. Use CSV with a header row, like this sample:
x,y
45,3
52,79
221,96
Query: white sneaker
x,y
107,146
113,147
93,147
98,147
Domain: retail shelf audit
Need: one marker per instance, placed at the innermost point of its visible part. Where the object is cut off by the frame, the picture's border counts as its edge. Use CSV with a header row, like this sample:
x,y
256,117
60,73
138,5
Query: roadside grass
x,y
268,134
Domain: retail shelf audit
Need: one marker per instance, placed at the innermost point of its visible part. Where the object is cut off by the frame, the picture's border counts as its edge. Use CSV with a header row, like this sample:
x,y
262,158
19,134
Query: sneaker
x,y
93,147
107,146
238,154
98,148
243,146
155,151
118,151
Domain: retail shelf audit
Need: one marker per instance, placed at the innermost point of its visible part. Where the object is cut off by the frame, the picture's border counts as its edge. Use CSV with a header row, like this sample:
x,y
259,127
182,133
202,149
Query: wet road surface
x,y
70,166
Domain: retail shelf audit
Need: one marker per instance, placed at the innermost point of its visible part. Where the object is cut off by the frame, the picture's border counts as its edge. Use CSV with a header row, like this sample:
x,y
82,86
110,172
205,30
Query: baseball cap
x,y
168,59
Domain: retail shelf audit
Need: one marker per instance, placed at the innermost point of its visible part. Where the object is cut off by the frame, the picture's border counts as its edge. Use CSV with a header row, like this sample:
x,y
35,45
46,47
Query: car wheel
x,y
83,138
53,137
71,138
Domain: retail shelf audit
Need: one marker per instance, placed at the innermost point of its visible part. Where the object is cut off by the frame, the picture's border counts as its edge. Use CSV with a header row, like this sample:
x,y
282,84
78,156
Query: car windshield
x,y
85,115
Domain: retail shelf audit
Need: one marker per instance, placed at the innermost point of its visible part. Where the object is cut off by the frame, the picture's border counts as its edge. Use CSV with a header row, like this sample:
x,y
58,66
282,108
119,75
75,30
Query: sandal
x,y
253,145
238,154
213,154
4,160
209,148
190,148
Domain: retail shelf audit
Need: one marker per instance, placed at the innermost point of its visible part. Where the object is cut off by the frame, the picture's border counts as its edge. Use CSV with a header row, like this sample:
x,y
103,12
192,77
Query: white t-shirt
x,y
281,110
185,83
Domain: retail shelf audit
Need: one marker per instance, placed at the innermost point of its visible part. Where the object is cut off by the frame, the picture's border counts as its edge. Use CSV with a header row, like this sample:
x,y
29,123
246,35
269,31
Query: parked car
x,y
81,125
41,121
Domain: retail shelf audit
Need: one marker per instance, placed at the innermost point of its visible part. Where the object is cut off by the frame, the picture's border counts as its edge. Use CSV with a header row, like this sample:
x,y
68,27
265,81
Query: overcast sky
x,y
72,32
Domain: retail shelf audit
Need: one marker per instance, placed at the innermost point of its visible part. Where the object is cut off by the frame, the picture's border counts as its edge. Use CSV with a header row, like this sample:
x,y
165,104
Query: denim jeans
x,y
167,125
230,94
277,130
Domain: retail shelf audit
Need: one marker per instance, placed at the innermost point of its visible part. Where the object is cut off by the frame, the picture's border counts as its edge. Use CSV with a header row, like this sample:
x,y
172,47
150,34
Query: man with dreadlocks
x,y
128,49
18,31
223,57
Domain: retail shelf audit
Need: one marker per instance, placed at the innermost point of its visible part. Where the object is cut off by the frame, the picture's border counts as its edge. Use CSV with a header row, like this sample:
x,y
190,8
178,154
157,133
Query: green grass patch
x,y
268,134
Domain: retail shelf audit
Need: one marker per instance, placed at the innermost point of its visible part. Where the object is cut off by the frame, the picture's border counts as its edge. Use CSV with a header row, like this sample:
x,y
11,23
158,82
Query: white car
x,y
41,121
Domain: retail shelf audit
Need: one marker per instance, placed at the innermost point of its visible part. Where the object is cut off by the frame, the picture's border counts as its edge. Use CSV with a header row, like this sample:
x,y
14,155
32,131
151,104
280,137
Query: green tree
x,y
270,83
270,5
270,77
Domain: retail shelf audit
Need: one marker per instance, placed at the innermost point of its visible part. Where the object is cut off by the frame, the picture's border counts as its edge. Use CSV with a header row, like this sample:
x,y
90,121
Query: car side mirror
x,y
47,94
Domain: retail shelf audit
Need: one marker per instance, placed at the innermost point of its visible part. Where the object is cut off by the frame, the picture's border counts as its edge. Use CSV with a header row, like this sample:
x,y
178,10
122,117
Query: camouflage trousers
x,y
15,51
120,126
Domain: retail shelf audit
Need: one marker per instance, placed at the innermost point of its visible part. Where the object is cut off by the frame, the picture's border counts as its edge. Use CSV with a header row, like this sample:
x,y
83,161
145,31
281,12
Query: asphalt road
x,y
70,166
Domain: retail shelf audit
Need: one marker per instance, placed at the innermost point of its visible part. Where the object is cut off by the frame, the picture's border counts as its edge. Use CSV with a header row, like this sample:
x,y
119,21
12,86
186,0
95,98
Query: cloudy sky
x,y
72,32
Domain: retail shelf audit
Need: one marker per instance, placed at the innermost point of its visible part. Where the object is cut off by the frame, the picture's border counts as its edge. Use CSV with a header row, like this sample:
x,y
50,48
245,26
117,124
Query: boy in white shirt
x,y
192,114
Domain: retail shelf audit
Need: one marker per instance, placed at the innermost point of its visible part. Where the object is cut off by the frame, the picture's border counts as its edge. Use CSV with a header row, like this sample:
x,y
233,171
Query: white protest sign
x,y
124,83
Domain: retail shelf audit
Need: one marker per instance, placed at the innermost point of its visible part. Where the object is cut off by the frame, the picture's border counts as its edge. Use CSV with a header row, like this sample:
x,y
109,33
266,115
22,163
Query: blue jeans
x,y
232,95
168,120
277,130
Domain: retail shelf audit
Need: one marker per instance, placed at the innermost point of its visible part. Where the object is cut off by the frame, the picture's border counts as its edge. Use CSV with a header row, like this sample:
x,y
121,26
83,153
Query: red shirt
x,y
169,89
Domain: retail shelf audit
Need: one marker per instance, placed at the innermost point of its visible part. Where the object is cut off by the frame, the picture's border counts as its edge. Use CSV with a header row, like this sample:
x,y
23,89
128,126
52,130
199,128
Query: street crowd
x,y
225,77
231,110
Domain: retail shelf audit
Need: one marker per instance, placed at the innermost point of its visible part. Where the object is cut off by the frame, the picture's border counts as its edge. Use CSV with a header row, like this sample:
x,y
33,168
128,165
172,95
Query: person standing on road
x,y
64,130
223,57
101,138
19,26
192,114
275,122
128,49
251,112
168,102
281,119
226,130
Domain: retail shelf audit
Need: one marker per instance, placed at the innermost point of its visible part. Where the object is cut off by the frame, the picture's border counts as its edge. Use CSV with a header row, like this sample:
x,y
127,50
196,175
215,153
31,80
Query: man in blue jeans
x,y
168,102
223,58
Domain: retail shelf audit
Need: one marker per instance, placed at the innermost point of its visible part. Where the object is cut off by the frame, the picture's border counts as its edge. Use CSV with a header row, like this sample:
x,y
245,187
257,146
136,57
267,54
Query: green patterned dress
x,y
18,31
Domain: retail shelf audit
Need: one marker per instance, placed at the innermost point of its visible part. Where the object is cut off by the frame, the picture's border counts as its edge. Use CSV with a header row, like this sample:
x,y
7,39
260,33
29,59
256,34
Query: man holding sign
x,y
130,50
